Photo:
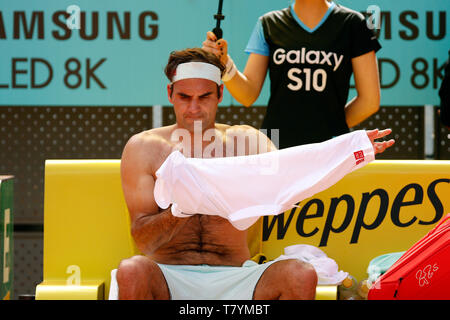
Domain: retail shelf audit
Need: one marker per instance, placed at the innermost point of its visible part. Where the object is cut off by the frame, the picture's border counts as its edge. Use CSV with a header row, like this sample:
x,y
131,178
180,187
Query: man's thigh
x,y
287,279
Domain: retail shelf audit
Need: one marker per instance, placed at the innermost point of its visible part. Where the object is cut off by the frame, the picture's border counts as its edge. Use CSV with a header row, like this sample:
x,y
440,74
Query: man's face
x,y
195,100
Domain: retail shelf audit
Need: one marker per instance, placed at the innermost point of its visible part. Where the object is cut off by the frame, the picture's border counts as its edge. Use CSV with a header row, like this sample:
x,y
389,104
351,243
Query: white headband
x,y
197,70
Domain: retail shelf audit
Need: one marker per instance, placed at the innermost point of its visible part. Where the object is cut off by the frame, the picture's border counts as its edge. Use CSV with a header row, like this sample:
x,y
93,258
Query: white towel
x,y
241,189
113,287
326,268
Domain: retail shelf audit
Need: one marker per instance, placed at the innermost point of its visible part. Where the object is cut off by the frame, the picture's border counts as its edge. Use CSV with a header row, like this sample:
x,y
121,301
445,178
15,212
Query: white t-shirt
x,y
243,188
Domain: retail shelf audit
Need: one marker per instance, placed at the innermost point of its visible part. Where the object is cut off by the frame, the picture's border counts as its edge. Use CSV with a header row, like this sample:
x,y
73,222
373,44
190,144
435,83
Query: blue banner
x,y
104,52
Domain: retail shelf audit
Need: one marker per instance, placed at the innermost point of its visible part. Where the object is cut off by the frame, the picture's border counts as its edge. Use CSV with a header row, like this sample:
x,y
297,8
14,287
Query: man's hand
x,y
379,147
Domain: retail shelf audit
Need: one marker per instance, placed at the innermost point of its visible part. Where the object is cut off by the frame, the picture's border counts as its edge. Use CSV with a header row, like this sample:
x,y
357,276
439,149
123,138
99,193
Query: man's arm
x,y
367,83
151,227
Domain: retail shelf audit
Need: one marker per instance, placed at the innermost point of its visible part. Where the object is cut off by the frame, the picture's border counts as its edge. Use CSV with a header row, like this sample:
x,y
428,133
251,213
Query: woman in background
x,y
311,50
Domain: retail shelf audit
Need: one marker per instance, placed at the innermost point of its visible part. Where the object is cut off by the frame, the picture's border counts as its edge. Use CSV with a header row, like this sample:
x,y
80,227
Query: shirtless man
x,y
169,243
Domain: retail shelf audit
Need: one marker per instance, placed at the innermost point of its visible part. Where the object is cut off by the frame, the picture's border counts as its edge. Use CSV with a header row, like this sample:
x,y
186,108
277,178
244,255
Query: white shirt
x,y
243,188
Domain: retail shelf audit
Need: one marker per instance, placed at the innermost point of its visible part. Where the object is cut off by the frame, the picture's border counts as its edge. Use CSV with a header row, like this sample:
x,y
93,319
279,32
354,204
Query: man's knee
x,y
302,278
134,269
141,278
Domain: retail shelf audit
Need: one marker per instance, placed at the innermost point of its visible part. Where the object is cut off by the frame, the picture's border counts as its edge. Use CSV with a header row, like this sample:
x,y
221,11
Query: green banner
x,y
6,237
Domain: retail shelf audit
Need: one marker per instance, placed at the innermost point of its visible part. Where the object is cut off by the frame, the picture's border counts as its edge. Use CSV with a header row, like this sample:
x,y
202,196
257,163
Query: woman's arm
x,y
245,86
367,83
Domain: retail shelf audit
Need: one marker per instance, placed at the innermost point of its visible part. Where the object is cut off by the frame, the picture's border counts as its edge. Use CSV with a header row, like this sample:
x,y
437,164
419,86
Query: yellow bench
x,y
87,228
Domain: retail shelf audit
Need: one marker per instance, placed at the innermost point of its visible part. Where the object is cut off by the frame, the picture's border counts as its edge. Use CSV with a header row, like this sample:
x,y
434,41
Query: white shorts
x,y
205,282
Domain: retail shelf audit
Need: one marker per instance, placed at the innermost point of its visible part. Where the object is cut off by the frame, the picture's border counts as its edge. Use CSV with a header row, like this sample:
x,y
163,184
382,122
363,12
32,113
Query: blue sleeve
x,y
257,42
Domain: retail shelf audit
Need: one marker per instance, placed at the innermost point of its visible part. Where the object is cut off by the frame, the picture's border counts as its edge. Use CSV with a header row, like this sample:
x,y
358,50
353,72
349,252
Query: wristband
x,y
230,70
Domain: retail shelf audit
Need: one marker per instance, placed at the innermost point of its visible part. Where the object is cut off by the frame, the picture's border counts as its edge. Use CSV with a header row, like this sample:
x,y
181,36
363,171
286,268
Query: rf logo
x,y
423,275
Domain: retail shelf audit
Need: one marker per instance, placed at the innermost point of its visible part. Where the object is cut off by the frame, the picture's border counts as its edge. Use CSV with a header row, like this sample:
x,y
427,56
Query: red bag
x,y
422,273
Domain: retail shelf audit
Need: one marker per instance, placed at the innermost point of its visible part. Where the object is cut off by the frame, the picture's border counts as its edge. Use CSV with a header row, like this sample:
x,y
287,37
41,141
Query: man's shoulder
x,y
250,135
241,128
235,130
149,142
